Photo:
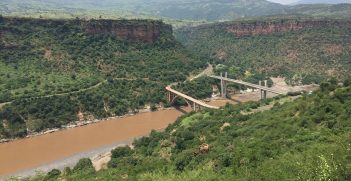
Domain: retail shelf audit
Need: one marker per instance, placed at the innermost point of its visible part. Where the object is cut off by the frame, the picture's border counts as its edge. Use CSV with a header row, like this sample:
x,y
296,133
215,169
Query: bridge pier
x,y
263,92
224,85
170,97
196,107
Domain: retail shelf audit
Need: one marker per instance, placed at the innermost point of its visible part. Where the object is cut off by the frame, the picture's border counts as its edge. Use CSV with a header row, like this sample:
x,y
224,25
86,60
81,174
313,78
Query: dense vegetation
x,y
200,88
194,10
308,55
307,139
53,71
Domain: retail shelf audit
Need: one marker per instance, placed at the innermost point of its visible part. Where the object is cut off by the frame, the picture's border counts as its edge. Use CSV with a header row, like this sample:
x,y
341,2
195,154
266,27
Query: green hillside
x,y
303,139
54,69
302,50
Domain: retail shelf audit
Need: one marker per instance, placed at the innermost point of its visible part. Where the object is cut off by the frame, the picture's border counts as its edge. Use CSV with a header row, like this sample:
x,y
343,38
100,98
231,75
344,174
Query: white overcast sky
x,y
284,1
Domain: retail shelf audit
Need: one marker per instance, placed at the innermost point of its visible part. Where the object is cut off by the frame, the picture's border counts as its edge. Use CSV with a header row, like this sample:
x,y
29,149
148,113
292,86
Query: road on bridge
x,y
198,102
248,84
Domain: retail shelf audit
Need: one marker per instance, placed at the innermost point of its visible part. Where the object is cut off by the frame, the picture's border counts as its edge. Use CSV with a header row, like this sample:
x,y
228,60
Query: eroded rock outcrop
x,y
267,27
133,30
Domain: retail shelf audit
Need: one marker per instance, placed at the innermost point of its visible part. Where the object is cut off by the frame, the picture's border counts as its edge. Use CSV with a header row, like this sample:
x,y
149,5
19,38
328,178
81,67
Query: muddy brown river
x,y
32,152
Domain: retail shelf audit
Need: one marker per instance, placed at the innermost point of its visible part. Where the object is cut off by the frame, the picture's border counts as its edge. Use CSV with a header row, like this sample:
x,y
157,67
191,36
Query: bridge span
x,y
194,103
263,87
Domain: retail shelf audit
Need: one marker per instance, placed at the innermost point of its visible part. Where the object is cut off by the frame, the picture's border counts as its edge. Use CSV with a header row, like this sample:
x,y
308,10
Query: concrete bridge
x,y
194,103
263,86
197,104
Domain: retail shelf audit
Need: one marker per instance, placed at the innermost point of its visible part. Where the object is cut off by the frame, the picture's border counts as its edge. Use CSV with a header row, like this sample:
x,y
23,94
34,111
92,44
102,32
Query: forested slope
x,y
84,70
302,50
303,139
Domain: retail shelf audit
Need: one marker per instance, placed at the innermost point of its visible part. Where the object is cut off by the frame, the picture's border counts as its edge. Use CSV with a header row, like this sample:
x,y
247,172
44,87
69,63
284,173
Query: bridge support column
x,y
171,97
224,85
260,84
222,91
195,107
265,92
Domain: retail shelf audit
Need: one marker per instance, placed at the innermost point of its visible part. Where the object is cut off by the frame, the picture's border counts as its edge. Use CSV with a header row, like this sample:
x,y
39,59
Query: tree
x,y
84,164
53,174
74,76
153,107
347,82
121,152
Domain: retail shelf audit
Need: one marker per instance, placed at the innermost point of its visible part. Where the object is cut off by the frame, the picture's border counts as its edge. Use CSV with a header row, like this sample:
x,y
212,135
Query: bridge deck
x,y
191,99
249,85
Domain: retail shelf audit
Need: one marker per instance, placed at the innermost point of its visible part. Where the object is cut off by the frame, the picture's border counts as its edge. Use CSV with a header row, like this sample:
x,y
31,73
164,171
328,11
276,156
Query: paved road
x,y
191,98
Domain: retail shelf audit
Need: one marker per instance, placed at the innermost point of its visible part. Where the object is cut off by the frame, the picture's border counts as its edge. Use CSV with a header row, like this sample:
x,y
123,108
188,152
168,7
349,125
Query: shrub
x,y
122,152
67,171
53,174
84,164
347,82
153,107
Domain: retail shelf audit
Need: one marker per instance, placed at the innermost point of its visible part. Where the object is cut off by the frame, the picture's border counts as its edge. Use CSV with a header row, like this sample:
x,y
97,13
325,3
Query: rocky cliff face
x,y
267,27
147,31
133,30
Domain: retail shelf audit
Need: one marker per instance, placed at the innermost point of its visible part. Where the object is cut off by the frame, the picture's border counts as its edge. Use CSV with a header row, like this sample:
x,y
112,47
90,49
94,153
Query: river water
x,y
33,152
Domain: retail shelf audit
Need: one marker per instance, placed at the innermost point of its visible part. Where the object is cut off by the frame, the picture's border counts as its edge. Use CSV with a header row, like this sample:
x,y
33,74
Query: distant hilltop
x,y
194,10
322,2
